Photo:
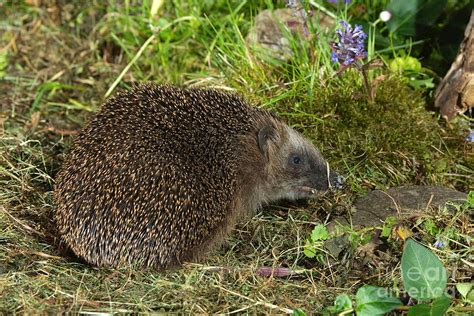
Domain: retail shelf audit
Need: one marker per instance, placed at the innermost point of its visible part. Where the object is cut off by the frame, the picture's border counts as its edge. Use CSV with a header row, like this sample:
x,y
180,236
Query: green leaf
x,y
425,84
424,276
440,305
3,63
388,225
467,291
298,312
373,300
406,63
319,232
343,302
430,227
165,30
407,15
464,288
420,309
309,250
470,297
437,308
470,199
440,165
403,17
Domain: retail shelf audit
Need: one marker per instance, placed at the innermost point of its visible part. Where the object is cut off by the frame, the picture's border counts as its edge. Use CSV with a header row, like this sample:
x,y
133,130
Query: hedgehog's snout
x,y
336,181
326,179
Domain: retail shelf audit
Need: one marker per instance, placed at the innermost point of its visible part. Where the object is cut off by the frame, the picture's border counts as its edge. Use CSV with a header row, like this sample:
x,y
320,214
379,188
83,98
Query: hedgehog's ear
x,y
265,134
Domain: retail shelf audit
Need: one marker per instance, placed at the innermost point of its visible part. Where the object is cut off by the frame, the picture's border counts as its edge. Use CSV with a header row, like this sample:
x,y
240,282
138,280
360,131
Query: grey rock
x,y
375,207
267,33
335,246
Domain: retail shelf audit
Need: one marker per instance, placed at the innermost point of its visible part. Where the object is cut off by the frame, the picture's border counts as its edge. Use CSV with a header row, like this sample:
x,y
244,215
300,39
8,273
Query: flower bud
x,y
385,16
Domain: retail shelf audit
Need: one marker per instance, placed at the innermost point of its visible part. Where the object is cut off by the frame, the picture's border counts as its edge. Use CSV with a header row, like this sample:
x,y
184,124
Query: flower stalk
x,y
349,50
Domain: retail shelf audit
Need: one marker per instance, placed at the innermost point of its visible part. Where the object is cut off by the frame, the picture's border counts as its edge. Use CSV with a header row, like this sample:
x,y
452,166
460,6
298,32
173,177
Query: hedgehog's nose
x,y
337,181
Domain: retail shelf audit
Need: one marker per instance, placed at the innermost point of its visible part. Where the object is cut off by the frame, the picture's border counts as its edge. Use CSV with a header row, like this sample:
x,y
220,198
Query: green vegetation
x,y
424,279
57,62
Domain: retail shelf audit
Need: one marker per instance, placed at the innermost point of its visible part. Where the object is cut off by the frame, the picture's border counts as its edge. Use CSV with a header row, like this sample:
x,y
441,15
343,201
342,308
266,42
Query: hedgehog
x,y
161,174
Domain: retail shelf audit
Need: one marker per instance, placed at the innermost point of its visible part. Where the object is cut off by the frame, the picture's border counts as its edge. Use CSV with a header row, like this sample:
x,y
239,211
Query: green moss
x,y
393,141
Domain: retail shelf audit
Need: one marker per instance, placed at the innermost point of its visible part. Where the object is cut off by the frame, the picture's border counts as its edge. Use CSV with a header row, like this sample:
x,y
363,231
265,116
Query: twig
x,y
25,226
55,130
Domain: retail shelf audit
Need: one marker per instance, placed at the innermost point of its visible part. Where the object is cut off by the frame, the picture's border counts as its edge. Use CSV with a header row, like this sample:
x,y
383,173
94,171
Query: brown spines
x,y
153,178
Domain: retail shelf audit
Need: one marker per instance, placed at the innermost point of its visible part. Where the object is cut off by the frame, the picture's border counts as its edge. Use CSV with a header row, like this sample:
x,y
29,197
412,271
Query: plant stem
x,y
125,70
370,95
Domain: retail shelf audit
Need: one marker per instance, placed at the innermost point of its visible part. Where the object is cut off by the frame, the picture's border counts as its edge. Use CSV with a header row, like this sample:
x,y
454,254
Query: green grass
x,y
62,61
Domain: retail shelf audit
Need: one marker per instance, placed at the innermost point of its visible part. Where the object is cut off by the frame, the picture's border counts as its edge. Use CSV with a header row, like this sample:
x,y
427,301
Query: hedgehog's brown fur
x,y
161,174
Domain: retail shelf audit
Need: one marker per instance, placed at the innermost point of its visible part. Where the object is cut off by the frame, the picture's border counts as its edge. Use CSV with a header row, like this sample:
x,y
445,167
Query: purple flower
x,y
350,46
439,242
470,137
293,4
334,1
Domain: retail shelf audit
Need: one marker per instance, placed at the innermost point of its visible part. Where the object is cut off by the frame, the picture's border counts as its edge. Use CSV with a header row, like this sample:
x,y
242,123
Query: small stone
x,y
267,33
335,246
375,207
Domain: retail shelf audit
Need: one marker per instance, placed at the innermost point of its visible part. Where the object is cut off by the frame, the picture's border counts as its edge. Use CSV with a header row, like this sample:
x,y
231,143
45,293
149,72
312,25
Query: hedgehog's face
x,y
296,169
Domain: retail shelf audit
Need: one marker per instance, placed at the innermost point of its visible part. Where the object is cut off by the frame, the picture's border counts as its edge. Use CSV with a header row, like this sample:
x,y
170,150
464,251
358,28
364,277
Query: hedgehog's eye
x,y
296,160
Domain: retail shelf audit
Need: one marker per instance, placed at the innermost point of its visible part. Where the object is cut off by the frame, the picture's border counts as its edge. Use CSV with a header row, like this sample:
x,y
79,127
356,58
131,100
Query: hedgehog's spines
x,y
161,174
